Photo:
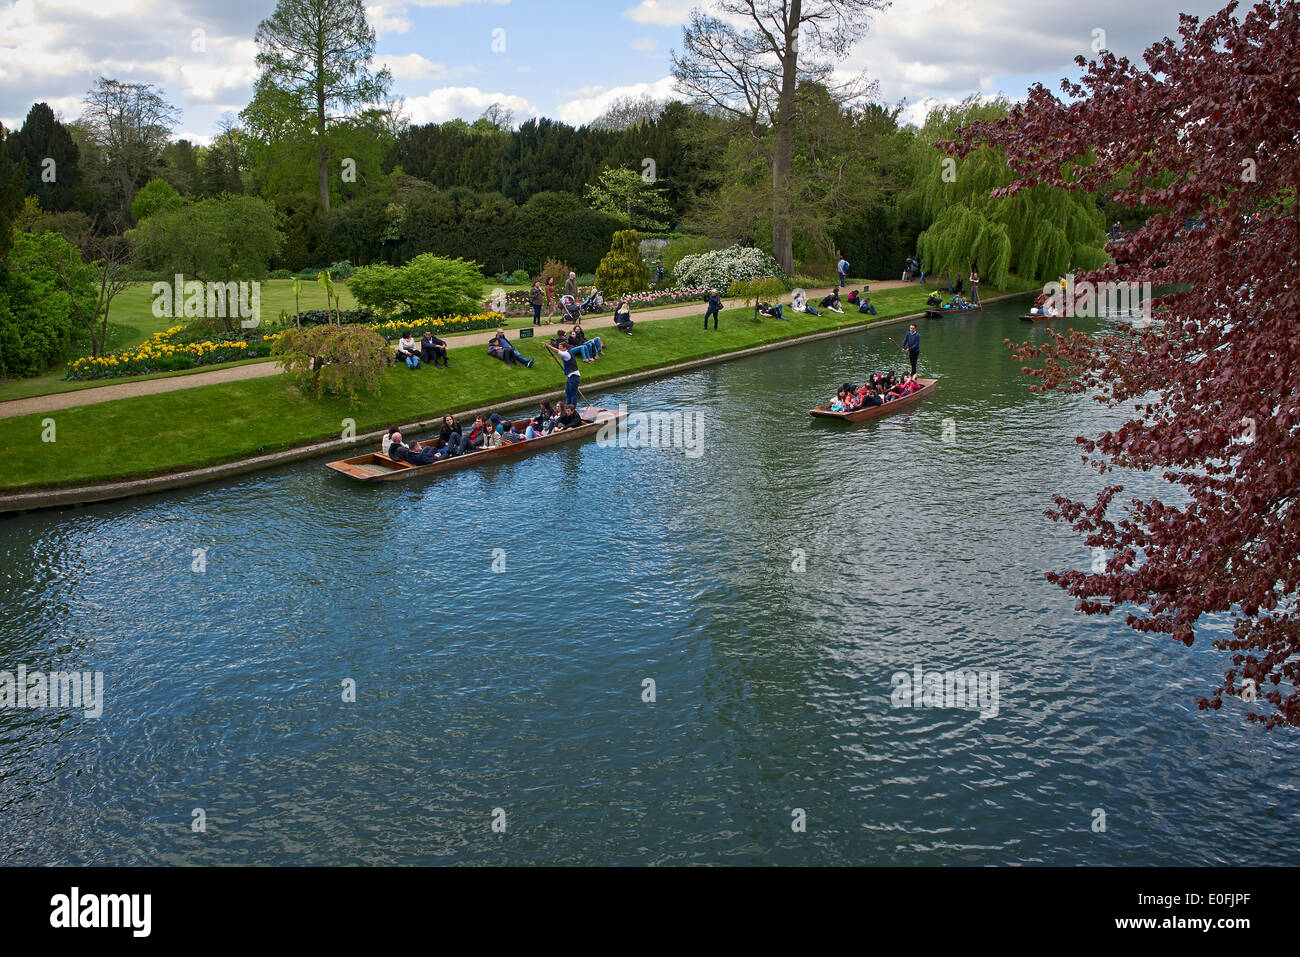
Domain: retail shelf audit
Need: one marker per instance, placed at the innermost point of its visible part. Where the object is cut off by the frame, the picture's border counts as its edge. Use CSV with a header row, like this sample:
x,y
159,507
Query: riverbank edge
x,y
40,499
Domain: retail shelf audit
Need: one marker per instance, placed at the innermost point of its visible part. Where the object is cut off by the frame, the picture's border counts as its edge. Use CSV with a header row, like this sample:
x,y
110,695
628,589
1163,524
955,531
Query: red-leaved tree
x,y
1209,133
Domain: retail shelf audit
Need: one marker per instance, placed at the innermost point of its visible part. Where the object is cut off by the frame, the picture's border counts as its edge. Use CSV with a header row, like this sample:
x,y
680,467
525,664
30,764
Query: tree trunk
x,y
323,151
782,233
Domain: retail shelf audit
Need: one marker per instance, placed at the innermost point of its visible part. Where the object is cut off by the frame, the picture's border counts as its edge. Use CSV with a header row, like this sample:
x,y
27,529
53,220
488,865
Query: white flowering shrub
x,y
722,267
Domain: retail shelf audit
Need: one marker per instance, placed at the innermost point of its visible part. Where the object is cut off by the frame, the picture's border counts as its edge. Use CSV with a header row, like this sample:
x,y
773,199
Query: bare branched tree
x,y
130,123
747,58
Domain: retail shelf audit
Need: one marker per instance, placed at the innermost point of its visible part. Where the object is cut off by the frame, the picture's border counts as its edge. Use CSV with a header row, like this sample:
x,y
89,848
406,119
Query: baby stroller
x,y
593,303
571,310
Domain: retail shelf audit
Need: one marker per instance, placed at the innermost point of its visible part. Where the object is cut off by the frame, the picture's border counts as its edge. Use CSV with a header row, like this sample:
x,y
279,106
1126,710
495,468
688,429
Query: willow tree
x,y
315,57
749,62
1040,232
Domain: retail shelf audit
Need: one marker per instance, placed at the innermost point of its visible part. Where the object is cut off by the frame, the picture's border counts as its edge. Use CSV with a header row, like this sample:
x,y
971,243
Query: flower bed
x,y
393,328
163,353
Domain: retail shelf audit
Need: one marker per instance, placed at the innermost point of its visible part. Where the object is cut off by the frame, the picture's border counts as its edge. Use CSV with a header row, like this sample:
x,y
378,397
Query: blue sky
x,y
562,58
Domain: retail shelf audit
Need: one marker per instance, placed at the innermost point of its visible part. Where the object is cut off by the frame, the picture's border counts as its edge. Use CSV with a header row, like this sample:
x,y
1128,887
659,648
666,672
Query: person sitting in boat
x,y
569,420
387,439
832,302
534,429
492,434
837,404
870,396
406,352
451,436
432,349
546,418
477,438
851,401
510,434
865,306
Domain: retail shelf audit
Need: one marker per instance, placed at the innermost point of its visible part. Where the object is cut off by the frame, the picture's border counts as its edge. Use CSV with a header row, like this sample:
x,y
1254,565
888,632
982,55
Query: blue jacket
x,y
912,341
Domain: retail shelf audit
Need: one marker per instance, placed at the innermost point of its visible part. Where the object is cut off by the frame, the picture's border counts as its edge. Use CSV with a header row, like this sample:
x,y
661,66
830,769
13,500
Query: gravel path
x,y
261,370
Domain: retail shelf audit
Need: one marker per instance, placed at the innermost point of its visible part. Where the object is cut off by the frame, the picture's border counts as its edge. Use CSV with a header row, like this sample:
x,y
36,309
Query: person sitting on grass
x,y
623,315
407,353
852,298
776,312
432,349
800,304
580,345
832,302
865,306
499,347
934,299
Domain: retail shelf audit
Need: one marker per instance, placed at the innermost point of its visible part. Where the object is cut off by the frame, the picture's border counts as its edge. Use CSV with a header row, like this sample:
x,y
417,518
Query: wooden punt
x,y
933,314
376,467
876,411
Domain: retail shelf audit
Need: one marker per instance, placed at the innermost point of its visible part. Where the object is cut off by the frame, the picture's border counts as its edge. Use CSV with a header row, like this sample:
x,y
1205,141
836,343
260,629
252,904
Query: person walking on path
x,y
715,307
535,298
974,284
550,298
843,268
571,286
912,345
659,272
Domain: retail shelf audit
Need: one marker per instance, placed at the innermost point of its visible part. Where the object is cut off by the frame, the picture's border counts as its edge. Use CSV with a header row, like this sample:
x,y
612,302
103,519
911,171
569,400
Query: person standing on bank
x,y
974,284
571,286
535,299
912,345
843,268
715,307
551,297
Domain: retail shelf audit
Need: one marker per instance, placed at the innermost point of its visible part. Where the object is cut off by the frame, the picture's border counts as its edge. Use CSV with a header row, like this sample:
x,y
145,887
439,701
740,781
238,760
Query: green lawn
x,y
174,431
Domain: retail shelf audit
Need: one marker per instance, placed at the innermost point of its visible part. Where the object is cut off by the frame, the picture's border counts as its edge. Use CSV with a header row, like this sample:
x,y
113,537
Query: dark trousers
x,y
537,313
432,353
714,314
913,355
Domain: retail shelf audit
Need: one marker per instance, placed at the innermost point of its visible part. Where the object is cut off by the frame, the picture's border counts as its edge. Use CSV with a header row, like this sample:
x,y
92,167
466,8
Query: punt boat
x,y
876,411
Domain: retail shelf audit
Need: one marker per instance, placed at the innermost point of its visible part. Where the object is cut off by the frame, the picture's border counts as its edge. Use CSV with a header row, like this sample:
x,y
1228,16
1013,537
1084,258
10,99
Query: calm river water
x,y
771,587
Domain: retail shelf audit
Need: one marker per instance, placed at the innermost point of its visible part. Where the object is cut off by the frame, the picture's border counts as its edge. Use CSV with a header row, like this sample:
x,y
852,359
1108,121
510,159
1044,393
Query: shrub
x,y
340,270
345,317
279,274
36,312
519,278
720,268
622,270
155,195
338,360
427,286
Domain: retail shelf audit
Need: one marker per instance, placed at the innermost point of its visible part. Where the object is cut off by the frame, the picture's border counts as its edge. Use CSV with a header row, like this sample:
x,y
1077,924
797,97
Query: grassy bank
x,y
175,431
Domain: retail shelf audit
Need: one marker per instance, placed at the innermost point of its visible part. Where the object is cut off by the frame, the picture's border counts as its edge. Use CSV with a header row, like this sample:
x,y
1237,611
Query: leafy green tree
x,y
315,57
155,196
37,312
179,165
623,271
625,194
344,360
428,287
1039,232
226,238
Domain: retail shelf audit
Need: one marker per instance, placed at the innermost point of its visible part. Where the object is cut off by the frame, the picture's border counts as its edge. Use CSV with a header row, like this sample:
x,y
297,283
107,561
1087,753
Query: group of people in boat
x,y
430,350
489,433
958,301
883,388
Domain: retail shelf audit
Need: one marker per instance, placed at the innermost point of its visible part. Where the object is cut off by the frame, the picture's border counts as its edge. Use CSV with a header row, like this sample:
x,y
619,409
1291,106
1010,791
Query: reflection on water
x,y
770,588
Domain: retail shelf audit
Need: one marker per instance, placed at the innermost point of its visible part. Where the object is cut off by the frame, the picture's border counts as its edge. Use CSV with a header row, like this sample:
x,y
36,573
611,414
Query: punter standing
x,y
912,345
715,307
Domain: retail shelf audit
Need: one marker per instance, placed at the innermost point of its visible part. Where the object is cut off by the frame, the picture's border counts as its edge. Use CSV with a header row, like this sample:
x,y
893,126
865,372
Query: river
x,y
499,626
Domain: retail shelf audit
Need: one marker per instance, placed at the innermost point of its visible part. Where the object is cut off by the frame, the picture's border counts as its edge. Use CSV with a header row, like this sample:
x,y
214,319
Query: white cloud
x,y
388,17
413,66
465,102
663,13
585,91
587,108
644,44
